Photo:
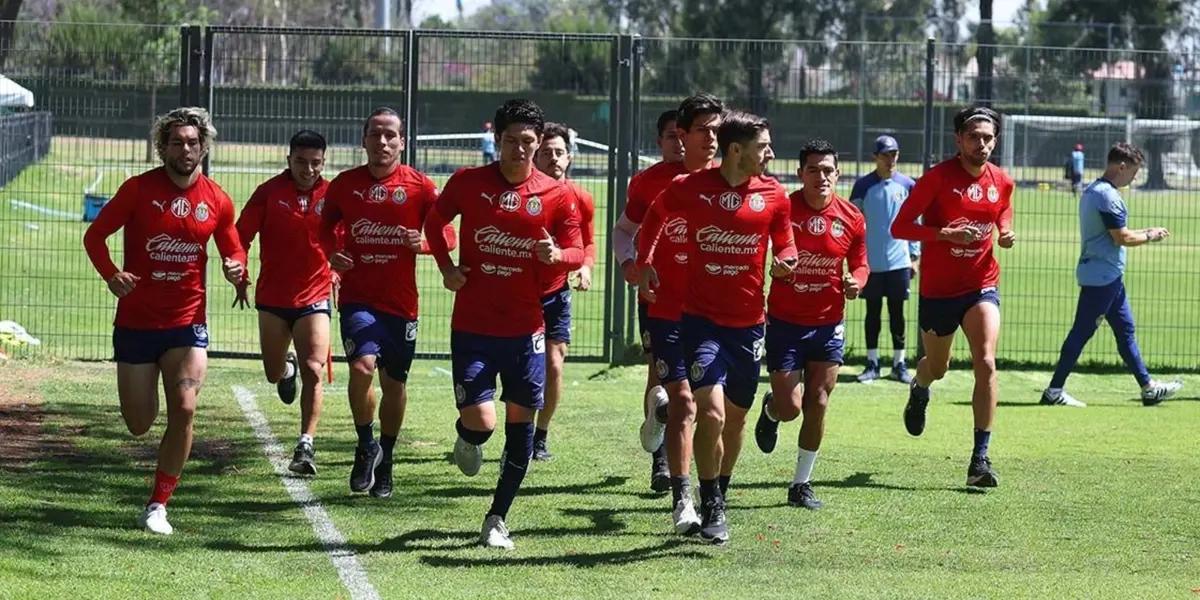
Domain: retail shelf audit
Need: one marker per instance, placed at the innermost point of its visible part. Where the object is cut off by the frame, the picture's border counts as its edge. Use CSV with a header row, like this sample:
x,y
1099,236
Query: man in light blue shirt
x,y
1102,227
1075,168
487,143
879,195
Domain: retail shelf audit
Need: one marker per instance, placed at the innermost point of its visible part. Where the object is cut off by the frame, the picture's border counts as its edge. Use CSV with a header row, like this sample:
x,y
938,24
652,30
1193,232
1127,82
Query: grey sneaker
x,y
468,457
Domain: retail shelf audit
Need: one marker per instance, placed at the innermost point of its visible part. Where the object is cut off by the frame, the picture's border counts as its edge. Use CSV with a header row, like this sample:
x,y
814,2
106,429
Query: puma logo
x,y
707,198
491,198
360,193
161,204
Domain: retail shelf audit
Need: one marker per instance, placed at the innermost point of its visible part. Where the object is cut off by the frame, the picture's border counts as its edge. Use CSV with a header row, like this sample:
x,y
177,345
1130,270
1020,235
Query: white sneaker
x,y
653,430
468,457
1158,391
687,520
1061,399
495,533
154,520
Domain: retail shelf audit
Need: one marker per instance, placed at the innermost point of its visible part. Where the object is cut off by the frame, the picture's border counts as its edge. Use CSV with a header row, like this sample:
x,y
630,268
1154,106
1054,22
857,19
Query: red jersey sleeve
x,y
857,257
430,192
905,225
331,219
635,206
566,232
587,225
667,202
1005,220
445,208
226,234
115,214
250,222
781,226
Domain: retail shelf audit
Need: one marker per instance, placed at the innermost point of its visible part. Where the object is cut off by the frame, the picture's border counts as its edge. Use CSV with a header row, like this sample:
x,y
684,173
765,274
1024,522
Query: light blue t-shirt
x,y
488,143
879,200
1101,208
1077,161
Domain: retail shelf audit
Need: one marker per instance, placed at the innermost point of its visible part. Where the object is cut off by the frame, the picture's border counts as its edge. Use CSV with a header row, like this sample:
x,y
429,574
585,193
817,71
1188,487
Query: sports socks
x,y
366,434
518,448
164,486
723,483
981,442
898,356
805,459
681,487
470,436
387,443
305,439
539,435
873,355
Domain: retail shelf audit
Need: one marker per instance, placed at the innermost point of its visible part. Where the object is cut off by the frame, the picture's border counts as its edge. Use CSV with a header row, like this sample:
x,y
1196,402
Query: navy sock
x,y
660,454
539,435
366,434
709,491
680,485
981,442
387,442
723,483
518,447
471,436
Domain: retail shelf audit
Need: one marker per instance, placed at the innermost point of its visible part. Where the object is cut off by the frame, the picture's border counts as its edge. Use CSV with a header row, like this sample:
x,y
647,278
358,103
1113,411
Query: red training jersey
x,y
670,259
728,230
556,278
295,271
165,239
501,224
813,295
646,185
374,216
949,196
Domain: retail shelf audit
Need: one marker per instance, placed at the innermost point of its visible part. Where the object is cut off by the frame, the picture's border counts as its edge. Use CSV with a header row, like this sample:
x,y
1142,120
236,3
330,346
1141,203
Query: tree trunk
x,y
983,54
1155,102
8,13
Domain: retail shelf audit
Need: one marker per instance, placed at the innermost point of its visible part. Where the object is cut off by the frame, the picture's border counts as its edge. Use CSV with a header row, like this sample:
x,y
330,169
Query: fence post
x,y
927,159
412,75
204,88
185,53
620,127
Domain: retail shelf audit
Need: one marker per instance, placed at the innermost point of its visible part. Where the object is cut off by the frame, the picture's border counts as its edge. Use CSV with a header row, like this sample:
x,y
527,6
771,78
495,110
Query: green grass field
x,y
47,284
1093,503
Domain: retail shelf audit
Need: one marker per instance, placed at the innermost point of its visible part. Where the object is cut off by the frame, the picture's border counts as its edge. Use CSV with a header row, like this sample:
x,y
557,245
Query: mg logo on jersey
x,y
975,192
757,202
202,212
731,201
676,230
993,194
377,194
534,206
837,228
181,208
399,196
510,201
816,225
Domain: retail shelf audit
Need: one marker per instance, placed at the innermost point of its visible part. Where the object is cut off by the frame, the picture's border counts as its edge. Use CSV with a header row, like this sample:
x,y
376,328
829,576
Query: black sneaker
x,y
766,431
362,475
303,461
801,495
713,527
980,473
382,488
540,452
914,411
660,475
287,386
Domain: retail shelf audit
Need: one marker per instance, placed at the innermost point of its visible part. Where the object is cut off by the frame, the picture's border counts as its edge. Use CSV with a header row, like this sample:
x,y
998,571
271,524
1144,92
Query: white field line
x,y
349,570
46,211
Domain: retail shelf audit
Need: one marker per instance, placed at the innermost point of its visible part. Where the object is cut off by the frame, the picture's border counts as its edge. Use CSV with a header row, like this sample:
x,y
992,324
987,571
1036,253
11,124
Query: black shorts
x,y
146,346
556,312
291,315
643,310
942,316
888,284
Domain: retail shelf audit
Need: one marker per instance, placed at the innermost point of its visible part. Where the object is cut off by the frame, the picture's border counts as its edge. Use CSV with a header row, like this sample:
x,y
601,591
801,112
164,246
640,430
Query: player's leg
x,y
873,295
137,389
981,325
671,369
556,312
819,380
654,402
474,367
1094,302
1120,320
742,350
311,334
364,337
183,370
274,338
784,364
897,295
395,364
939,320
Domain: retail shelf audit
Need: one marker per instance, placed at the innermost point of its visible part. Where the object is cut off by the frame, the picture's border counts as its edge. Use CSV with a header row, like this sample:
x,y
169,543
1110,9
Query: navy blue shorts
x,y
556,312
669,362
391,338
888,284
643,309
943,316
291,315
791,346
142,346
520,362
728,356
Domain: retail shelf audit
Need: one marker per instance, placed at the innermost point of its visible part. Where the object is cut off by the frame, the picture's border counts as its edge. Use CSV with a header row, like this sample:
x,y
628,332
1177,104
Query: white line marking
x,y
45,211
442,371
350,571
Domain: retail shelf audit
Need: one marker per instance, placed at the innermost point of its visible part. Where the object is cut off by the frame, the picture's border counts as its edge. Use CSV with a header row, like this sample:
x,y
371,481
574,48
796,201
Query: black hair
x,y
817,147
556,130
520,110
694,106
739,128
383,110
976,113
667,117
306,138
1126,152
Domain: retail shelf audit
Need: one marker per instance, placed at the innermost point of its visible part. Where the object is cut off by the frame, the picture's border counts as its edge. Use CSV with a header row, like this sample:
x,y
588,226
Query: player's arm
x,y
587,227
856,260
233,257
563,247
448,234
652,226
454,277
251,220
1004,222
907,224
115,214
782,242
331,230
624,233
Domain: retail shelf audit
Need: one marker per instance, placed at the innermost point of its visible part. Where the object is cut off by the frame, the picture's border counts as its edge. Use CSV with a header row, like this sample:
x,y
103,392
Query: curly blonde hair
x,y
185,115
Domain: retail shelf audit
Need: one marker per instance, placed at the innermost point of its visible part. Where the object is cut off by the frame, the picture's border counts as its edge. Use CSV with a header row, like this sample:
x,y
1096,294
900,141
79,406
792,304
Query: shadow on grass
x,y
670,548
609,482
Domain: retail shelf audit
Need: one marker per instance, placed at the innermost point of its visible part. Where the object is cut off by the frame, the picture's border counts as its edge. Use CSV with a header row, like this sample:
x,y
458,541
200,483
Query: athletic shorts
x,y
791,346
943,316
477,359
556,312
669,362
291,315
391,338
643,314
888,284
727,356
143,346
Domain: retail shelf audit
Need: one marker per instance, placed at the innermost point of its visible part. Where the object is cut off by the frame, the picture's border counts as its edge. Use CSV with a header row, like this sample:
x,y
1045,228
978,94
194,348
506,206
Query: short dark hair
x,y
553,130
817,147
383,110
306,138
667,116
739,127
520,110
694,106
1126,152
975,113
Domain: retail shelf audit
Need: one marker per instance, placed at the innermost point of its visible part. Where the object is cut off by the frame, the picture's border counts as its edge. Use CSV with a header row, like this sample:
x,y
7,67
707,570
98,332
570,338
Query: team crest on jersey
x,y
816,225
399,196
181,208
837,228
757,202
410,331
975,192
534,206
202,212
200,330
993,194
731,201
377,194
320,207
510,201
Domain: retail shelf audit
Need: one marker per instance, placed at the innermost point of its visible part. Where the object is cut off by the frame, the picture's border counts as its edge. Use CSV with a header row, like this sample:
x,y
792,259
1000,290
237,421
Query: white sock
x,y
289,370
898,357
305,439
873,355
1054,392
805,460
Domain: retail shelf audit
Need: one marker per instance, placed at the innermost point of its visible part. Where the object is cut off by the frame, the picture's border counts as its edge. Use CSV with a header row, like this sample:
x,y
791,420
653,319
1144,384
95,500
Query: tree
x,y
9,9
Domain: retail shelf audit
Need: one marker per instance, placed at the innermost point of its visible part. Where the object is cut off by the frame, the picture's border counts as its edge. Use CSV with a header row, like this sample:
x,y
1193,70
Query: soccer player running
x,y
293,287
879,195
168,215
1105,235
960,204
805,312
554,158
518,225
371,231
687,142
731,212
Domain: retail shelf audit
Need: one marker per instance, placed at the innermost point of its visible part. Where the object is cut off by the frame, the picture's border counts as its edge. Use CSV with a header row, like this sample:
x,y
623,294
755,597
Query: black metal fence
x,y
261,84
24,140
